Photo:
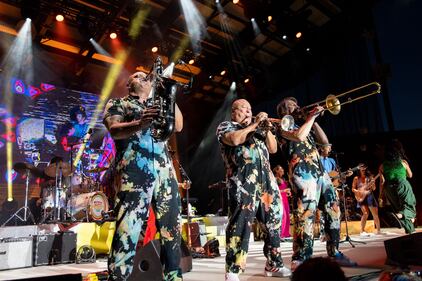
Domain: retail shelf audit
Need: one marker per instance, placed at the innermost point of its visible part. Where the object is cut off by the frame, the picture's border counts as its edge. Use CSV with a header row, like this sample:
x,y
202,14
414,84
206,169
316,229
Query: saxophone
x,y
164,98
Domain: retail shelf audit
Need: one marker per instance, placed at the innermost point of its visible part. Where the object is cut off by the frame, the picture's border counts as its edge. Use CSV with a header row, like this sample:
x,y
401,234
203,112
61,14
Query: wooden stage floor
x,y
370,257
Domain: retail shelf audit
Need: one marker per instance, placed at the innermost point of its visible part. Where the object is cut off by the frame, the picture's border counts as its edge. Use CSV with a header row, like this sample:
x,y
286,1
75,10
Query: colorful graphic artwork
x,y
46,121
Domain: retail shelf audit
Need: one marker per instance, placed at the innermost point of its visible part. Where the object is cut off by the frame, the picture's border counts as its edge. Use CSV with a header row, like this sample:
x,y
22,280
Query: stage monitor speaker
x,y
15,253
211,248
54,248
405,250
147,262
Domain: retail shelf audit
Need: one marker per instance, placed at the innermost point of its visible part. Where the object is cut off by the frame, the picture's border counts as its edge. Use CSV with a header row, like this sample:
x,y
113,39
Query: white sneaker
x,y
364,234
231,277
277,271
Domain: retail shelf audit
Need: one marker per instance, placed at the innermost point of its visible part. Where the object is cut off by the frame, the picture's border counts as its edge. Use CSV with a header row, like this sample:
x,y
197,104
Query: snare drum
x,y
91,206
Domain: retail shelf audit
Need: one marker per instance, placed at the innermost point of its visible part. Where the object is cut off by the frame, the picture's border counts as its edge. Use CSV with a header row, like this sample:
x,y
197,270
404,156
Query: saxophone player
x,y
145,176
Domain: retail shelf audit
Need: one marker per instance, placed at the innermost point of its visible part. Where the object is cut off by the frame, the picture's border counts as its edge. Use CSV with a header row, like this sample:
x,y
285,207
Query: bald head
x,y
242,112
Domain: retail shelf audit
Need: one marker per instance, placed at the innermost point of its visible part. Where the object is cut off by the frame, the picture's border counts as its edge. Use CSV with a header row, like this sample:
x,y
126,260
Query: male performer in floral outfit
x,y
310,185
245,148
145,176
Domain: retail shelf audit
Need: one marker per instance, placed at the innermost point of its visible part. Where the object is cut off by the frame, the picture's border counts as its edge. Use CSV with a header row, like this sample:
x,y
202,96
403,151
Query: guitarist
x,y
363,187
330,166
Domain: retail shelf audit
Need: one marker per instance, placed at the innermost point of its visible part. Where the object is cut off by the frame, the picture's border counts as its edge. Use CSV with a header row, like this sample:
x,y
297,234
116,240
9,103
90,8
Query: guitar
x,y
337,178
363,191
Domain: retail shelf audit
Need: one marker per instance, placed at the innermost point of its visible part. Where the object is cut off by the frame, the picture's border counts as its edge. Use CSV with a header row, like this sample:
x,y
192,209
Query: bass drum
x,y
88,206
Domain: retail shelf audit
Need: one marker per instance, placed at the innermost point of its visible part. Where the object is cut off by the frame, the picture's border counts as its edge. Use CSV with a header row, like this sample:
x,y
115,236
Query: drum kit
x,y
69,193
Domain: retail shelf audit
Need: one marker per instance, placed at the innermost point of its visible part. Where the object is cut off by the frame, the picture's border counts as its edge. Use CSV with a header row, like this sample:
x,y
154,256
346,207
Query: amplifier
x,y
54,248
15,253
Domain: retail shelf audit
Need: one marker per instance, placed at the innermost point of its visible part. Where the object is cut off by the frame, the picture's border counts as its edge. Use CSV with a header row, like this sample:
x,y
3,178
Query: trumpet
x,y
331,103
270,124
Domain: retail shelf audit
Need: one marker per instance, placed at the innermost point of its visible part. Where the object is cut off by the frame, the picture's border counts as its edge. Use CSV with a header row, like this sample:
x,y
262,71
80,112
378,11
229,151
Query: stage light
x,y
298,35
246,80
168,71
113,35
217,1
210,77
233,86
59,17
222,73
192,61
255,27
270,18
284,37
235,1
308,49
154,49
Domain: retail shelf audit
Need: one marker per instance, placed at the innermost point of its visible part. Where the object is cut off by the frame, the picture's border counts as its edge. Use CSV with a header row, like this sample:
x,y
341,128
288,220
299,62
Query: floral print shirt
x,y
243,162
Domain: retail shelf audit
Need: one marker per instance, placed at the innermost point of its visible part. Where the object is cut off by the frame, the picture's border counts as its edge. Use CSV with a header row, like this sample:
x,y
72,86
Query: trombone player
x,y
310,183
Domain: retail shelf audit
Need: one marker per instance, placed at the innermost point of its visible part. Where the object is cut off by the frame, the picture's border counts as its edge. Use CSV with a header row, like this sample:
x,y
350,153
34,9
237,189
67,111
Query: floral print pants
x,y
131,208
308,190
245,202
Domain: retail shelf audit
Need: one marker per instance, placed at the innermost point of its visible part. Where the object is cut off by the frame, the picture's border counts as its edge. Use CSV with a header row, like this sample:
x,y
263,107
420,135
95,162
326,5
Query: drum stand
x,y
26,211
55,213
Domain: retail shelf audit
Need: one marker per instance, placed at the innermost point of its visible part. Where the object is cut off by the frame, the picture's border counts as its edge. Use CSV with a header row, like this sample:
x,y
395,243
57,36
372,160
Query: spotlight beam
x,y
18,62
195,24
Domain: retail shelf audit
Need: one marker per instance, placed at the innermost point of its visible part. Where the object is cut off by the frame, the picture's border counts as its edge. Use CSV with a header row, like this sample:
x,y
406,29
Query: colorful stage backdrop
x,y
45,121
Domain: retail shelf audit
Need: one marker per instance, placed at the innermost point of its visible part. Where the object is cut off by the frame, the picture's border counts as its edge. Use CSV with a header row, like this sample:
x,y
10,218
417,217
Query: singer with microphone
x,y
145,177
252,187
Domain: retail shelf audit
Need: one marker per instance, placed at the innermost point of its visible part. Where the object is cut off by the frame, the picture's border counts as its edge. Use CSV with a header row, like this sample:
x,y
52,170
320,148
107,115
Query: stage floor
x,y
370,257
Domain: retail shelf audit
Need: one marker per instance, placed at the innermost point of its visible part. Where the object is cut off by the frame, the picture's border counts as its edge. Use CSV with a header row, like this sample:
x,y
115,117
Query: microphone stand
x,y
343,185
188,182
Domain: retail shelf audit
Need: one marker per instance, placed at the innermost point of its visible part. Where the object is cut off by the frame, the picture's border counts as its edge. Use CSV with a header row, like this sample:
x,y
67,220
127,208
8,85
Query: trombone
x,y
331,103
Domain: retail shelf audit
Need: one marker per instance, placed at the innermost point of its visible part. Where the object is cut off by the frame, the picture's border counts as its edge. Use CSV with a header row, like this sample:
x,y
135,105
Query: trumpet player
x,y
245,148
310,184
145,176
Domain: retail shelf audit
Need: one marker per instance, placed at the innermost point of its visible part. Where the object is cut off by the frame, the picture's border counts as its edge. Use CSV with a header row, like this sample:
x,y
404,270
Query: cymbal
x,y
66,169
22,167
97,170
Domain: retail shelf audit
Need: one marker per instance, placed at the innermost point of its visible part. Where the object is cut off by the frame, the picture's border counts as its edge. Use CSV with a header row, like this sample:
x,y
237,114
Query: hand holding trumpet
x,y
264,124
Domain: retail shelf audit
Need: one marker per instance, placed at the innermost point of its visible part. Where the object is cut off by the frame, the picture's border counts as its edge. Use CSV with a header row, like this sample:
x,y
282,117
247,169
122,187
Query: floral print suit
x,y
145,176
252,187
310,185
